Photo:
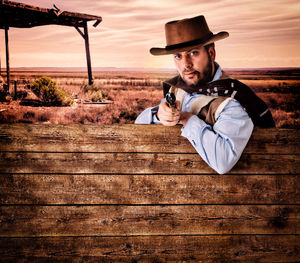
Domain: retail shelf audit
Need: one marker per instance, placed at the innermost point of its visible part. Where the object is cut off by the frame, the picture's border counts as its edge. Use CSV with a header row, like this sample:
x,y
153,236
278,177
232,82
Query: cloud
x,y
130,28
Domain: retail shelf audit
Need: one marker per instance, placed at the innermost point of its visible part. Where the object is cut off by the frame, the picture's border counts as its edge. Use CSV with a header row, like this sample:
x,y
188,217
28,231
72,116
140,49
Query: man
x,y
217,113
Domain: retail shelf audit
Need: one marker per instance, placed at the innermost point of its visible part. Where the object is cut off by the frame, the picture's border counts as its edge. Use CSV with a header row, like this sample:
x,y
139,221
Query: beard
x,y
206,74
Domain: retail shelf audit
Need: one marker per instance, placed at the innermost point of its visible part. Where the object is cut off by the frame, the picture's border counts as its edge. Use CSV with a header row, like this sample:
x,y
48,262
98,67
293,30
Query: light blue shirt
x,y
220,145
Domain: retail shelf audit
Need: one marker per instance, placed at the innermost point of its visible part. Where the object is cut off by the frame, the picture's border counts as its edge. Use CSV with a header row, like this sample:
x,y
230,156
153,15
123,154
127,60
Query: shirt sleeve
x,y
148,116
221,146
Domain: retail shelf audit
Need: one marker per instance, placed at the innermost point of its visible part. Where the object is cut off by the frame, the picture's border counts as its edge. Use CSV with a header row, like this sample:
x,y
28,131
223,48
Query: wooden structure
x,y
140,193
20,15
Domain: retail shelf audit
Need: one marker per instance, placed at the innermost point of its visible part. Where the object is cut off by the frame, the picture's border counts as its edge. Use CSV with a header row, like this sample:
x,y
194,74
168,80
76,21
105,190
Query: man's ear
x,y
212,53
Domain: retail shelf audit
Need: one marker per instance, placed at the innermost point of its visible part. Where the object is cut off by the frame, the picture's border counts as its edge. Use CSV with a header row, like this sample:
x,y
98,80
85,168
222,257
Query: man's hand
x,y
169,116
184,117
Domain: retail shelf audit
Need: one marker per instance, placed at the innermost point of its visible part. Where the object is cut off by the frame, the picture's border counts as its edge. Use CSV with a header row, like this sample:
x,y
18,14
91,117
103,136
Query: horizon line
x,y
139,68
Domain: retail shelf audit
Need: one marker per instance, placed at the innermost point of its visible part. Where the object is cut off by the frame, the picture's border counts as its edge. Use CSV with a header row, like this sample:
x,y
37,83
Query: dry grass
x,y
132,92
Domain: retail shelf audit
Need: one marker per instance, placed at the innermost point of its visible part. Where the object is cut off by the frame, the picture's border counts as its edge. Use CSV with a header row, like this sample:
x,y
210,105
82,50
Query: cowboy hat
x,y
187,33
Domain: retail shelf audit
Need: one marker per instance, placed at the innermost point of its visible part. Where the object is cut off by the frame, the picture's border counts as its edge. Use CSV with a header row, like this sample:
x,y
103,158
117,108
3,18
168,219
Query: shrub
x,y
21,94
3,92
92,92
95,96
128,115
28,115
50,93
44,117
86,88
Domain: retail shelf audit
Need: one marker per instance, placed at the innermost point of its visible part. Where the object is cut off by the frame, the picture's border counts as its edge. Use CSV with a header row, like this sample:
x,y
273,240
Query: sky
x,y
261,33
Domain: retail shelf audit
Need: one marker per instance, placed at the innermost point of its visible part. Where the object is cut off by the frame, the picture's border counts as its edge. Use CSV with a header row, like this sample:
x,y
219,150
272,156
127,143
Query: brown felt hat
x,y
187,33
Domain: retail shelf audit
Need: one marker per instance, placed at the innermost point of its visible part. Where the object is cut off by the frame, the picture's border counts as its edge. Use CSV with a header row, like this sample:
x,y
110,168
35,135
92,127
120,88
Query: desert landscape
x,y
118,96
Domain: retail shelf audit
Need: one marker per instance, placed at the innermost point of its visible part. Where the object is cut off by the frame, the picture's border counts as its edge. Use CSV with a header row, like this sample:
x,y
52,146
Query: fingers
x,y
164,107
184,117
168,116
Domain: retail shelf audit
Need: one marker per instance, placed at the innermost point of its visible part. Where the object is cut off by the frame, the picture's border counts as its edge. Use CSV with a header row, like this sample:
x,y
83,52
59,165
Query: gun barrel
x,y
171,98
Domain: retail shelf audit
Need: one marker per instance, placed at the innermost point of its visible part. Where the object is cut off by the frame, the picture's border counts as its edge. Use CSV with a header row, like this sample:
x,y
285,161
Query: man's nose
x,y
187,62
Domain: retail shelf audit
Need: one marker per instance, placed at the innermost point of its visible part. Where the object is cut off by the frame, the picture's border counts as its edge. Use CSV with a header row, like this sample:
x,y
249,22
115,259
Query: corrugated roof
x,y
13,14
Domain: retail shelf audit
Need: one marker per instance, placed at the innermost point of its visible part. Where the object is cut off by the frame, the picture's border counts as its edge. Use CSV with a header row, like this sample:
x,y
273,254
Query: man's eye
x,y
177,56
194,53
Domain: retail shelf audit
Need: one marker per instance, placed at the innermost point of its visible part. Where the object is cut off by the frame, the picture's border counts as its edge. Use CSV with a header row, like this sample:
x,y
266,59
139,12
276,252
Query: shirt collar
x,y
177,82
218,73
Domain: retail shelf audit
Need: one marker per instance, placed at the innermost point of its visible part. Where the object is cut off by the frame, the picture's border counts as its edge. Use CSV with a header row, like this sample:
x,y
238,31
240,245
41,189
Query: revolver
x,y
171,98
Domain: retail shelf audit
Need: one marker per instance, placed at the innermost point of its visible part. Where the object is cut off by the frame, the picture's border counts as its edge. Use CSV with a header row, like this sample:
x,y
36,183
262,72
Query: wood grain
x,y
140,193
148,220
148,189
128,138
140,163
229,248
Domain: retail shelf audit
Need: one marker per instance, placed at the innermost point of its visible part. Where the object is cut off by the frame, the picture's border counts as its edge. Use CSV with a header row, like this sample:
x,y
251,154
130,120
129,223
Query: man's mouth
x,y
190,74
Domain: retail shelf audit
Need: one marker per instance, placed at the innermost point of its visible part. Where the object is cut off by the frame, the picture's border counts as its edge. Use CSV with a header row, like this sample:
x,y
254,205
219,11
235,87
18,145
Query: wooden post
x,y
7,58
15,94
88,56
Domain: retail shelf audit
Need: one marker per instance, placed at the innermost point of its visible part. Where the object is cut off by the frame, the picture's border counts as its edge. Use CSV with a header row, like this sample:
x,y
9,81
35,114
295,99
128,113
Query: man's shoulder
x,y
224,75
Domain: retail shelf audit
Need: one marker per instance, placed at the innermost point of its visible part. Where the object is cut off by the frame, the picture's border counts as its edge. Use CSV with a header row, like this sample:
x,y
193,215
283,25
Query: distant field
x,y
131,92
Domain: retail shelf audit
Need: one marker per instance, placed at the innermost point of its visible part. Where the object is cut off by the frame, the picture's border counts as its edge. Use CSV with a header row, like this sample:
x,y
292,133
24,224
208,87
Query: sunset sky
x,y
262,33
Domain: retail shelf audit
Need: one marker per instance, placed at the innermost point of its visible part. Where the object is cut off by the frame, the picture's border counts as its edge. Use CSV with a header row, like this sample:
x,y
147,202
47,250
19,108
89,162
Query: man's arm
x,y
161,114
148,116
221,145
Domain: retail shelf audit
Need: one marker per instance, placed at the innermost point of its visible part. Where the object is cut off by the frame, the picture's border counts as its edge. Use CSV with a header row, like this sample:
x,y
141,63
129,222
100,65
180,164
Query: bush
x,y
95,96
50,93
92,92
28,115
128,115
44,117
3,91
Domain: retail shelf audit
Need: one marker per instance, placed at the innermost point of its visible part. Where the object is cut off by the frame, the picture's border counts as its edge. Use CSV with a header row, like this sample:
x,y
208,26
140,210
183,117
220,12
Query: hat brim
x,y
156,51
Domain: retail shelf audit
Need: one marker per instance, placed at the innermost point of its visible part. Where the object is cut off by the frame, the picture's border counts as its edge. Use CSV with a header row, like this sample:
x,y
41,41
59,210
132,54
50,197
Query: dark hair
x,y
208,46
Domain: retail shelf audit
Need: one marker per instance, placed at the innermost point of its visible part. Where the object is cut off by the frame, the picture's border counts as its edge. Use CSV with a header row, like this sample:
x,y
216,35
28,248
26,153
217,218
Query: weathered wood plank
x,y
140,163
128,138
148,189
284,248
148,220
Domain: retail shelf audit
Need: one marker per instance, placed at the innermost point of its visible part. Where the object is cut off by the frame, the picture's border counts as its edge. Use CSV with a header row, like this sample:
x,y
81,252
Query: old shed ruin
x,y
21,15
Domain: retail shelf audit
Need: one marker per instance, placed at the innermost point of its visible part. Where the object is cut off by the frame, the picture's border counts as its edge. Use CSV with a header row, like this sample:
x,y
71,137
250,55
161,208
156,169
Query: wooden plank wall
x,y
140,193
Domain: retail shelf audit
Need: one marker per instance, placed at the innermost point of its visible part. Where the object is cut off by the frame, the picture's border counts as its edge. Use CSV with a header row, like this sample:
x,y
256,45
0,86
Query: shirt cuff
x,y
155,120
154,110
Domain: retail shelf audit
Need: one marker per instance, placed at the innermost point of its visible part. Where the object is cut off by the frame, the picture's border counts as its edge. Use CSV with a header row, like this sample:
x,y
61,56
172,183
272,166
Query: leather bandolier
x,y
217,95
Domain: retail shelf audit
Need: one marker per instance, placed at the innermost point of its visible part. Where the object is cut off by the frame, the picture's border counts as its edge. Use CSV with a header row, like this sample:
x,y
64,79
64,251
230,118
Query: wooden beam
x,y
117,220
148,189
129,138
87,50
7,58
140,163
15,90
202,248
79,31
13,7
97,23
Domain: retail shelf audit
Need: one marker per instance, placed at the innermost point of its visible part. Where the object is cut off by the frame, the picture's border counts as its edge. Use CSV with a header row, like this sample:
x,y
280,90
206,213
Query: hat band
x,y
190,43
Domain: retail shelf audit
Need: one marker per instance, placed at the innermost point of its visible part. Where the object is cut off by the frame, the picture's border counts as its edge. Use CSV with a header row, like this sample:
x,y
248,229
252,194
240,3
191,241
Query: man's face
x,y
195,66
